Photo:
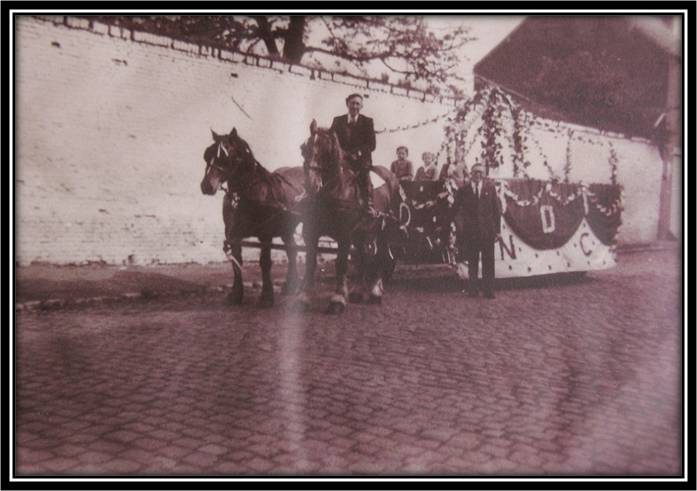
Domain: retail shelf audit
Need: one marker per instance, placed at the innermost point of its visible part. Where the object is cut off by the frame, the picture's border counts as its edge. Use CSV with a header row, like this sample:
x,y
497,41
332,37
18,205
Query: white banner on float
x,y
583,252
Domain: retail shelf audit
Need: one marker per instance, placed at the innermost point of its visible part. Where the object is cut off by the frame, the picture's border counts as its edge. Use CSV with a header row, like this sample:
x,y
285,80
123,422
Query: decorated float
x,y
547,227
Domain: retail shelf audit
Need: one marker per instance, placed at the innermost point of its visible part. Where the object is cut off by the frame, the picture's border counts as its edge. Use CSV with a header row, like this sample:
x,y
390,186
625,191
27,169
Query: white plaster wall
x,y
110,135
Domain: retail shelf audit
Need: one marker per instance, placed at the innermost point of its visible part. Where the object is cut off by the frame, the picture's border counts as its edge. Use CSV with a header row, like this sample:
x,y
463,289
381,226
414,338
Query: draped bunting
x,y
547,223
546,214
604,211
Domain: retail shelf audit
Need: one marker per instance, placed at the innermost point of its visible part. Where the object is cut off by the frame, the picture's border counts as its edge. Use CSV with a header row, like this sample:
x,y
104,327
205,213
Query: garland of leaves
x,y
519,140
616,207
418,124
518,170
494,101
454,130
464,134
518,145
567,163
613,160
560,199
545,161
491,128
468,148
582,192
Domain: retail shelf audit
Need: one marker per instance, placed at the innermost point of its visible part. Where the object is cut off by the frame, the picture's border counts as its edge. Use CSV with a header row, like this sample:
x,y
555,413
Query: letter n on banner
x,y
502,246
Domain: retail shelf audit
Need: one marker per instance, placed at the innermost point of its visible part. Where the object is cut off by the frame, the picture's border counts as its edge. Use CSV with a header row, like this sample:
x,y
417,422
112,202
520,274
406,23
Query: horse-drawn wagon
x,y
547,227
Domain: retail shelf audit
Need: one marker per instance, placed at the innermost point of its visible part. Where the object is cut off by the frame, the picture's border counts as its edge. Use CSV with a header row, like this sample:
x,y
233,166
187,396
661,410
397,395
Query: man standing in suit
x,y
357,139
479,216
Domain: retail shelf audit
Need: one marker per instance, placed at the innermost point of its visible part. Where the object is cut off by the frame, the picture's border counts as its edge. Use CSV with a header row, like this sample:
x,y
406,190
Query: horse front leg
x,y
291,284
233,249
363,253
305,299
266,299
357,294
378,261
337,304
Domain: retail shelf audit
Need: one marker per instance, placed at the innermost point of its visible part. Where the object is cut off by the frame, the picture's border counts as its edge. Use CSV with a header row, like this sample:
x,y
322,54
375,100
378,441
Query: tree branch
x,y
267,36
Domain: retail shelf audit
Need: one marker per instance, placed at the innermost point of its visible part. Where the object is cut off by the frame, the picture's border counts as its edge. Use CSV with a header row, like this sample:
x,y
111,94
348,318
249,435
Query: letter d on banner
x,y
547,217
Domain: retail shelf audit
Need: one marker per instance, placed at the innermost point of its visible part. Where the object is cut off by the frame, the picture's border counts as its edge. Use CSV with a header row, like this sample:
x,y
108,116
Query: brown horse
x,y
263,208
333,209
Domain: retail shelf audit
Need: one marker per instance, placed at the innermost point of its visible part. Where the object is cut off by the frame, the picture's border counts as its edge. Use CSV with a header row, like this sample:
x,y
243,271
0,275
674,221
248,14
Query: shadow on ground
x,y
447,282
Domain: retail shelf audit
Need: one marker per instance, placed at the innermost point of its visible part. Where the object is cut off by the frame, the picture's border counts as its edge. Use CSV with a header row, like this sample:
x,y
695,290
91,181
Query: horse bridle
x,y
322,171
210,163
239,160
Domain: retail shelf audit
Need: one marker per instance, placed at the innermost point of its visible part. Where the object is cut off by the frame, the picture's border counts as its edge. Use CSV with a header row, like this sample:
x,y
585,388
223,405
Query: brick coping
x,y
254,60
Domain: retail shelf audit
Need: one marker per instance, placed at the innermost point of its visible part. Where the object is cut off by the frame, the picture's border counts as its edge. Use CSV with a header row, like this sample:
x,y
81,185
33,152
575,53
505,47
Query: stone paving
x,y
556,378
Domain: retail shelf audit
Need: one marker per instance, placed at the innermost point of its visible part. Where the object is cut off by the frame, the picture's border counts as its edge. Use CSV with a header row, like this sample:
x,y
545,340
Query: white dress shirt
x,y
476,187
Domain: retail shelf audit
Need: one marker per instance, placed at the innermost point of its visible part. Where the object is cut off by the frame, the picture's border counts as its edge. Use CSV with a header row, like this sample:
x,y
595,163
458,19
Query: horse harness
x,y
236,197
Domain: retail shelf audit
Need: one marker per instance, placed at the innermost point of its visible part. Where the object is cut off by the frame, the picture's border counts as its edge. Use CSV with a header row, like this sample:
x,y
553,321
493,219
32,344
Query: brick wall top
x,y
203,50
277,66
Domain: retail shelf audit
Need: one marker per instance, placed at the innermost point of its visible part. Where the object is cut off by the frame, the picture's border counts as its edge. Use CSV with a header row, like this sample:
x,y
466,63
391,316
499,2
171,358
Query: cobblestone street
x,y
570,377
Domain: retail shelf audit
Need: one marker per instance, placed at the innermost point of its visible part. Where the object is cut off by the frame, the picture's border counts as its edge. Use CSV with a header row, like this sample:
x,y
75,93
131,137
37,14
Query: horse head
x,y
226,158
322,157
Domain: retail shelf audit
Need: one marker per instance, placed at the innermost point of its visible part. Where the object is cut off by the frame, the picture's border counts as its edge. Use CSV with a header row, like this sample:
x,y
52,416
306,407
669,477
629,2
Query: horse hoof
x,y
374,300
356,297
234,298
336,308
265,303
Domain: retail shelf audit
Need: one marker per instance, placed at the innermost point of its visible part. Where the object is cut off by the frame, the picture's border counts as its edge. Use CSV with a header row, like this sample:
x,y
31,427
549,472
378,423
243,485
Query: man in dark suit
x,y
478,216
357,139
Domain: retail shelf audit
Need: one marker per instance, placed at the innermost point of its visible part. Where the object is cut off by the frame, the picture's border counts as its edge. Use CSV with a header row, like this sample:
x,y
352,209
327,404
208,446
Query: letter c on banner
x,y
547,217
587,252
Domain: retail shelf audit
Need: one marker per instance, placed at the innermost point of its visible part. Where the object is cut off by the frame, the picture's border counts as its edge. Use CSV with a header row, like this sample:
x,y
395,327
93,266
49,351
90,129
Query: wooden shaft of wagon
x,y
281,247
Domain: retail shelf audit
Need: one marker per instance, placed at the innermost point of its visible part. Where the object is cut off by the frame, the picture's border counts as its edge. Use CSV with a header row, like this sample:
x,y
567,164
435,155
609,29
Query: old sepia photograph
x,y
347,245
